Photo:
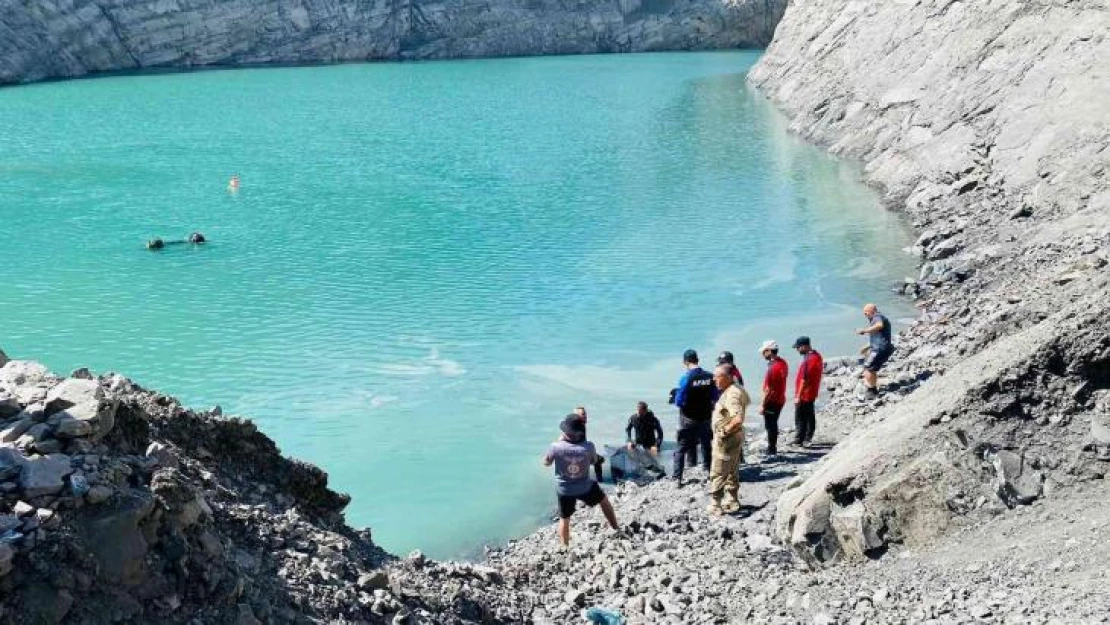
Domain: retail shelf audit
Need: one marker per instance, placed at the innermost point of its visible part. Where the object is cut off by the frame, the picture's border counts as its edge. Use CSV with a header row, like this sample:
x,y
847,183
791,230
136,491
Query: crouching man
x,y
728,439
645,436
573,456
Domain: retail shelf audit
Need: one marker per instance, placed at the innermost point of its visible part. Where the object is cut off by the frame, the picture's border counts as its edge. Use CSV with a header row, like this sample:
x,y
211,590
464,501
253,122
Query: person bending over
x,y
572,456
643,446
880,347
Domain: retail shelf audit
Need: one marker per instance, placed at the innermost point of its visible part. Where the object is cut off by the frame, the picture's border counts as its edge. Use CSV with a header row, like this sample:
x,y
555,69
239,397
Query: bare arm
x,y
876,327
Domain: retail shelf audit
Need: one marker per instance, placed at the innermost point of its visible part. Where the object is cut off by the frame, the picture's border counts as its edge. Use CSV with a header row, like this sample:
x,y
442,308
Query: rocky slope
x,y
117,504
67,38
984,123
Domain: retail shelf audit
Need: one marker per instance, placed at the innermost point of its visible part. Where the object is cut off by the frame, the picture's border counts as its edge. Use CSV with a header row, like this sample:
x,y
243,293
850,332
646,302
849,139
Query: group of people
x,y
712,408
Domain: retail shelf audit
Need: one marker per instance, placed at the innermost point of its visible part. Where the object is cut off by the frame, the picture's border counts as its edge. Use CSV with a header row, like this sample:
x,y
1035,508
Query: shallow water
x,y
428,264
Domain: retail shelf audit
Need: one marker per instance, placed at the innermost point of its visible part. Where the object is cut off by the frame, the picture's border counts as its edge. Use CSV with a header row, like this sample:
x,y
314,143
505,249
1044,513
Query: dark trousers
x,y
691,435
805,421
771,424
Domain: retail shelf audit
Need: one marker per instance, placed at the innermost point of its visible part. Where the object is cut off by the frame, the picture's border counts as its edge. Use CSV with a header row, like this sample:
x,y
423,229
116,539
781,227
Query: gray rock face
x,y
983,122
66,38
43,475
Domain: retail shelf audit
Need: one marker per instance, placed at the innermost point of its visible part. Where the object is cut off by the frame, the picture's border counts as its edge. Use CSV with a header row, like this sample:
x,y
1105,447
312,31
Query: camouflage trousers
x,y
724,479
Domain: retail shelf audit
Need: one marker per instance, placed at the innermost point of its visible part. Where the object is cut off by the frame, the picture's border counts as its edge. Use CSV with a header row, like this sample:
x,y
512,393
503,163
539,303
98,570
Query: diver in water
x,y
158,243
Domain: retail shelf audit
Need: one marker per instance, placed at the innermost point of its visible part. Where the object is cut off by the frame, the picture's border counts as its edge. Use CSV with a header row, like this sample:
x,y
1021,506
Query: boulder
x,y
113,536
70,392
72,428
100,415
11,463
856,530
43,475
81,373
28,381
1015,483
98,494
9,406
15,430
6,555
162,453
373,580
45,604
9,522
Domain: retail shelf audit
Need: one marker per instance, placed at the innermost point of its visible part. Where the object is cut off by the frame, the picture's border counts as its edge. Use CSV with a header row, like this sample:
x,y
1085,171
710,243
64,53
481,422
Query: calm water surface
x,y
427,264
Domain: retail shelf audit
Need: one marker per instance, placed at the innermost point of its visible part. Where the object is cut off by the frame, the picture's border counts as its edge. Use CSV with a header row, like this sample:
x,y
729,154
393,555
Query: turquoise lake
x,y
428,264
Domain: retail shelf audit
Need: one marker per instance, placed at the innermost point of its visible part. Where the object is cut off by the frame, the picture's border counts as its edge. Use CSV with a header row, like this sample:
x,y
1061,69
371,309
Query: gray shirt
x,y
572,466
880,341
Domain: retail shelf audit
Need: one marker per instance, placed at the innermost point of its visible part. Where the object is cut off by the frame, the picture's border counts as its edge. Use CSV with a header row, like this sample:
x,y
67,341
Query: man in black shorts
x,y
880,347
573,456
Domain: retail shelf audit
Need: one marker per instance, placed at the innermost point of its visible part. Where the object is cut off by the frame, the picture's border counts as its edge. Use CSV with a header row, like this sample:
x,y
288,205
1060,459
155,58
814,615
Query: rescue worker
x,y
572,456
694,397
726,358
807,385
880,347
728,438
774,393
643,446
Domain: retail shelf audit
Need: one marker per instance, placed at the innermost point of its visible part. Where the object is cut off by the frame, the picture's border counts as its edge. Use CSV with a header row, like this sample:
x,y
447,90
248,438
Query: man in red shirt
x,y
774,393
806,386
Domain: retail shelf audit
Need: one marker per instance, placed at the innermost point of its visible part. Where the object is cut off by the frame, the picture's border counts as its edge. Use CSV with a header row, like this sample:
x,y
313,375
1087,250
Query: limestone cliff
x,y
66,38
986,124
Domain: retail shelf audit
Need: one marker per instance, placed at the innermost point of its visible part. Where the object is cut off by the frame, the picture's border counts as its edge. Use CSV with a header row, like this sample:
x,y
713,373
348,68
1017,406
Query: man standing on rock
x,y
694,397
880,347
572,456
806,386
643,446
580,412
728,438
774,393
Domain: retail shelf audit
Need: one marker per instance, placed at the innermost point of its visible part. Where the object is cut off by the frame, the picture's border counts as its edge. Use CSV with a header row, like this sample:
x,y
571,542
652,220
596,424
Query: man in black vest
x,y
695,397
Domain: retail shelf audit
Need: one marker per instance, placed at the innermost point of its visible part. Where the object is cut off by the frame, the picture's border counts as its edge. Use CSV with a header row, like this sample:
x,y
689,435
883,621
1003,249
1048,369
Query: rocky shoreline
x,y
973,490
51,39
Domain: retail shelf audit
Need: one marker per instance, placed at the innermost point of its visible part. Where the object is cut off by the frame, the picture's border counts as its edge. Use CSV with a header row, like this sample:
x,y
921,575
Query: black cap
x,y
689,356
574,428
801,340
725,358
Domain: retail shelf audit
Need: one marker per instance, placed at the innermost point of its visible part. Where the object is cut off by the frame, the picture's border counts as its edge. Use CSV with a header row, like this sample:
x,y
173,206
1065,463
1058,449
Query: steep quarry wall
x,y
986,124
67,38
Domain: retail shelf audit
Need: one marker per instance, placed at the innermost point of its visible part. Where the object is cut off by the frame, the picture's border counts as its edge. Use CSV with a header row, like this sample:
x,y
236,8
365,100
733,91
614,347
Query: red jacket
x,y
809,371
774,383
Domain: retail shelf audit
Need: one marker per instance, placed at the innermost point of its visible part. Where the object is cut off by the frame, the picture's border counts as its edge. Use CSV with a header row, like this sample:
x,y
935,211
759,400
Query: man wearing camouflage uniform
x,y
728,437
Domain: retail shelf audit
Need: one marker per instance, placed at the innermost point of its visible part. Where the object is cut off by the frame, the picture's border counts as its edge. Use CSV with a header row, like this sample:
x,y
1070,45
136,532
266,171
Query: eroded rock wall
x,y
67,38
985,123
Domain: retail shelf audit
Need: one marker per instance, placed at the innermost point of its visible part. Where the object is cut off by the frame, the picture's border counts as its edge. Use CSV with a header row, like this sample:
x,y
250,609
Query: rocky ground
x,y
973,490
